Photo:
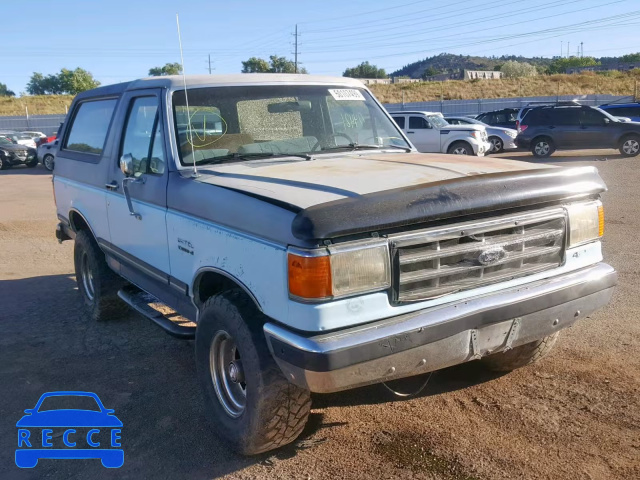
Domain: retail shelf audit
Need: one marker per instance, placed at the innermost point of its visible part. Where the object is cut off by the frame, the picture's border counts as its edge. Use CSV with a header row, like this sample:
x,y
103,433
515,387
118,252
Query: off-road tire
x,y
32,163
538,150
46,165
458,145
631,143
105,304
520,356
276,411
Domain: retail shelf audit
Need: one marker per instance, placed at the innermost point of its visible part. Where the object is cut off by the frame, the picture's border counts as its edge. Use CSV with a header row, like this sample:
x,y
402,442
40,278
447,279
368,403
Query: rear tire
x,y
460,148
520,356
4,164
32,163
97,283
630,146
47,161
542,147
250,403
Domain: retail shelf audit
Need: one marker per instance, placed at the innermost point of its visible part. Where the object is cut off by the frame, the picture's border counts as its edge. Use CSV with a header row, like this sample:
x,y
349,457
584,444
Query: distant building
x,y
406,80
482,75
442,77
372,81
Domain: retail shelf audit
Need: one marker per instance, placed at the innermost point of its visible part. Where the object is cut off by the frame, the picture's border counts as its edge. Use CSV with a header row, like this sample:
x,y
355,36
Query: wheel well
x,y
455,142
78,222
210,283
540,137
626,136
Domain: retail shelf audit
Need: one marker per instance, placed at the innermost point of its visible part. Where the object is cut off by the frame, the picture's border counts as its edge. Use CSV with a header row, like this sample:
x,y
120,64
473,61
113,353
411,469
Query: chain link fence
x,y
47,124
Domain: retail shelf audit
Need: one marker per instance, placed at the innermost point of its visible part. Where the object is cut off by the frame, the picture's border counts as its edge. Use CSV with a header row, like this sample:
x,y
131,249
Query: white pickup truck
x,y
311,247
431,133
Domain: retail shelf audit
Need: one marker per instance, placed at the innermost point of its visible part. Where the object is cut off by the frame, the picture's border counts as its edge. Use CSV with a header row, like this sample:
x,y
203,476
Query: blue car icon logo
x,y
69,425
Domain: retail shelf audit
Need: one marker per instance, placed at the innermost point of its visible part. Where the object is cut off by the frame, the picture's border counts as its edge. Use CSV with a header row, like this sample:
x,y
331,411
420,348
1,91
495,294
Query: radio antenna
x,y
186,99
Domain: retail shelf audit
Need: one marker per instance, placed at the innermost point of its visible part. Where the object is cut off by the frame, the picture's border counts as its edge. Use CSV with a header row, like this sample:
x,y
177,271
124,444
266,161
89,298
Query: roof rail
x,y
558,102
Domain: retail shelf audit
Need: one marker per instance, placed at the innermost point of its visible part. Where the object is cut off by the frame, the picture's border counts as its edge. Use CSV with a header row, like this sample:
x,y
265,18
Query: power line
x,y
360,14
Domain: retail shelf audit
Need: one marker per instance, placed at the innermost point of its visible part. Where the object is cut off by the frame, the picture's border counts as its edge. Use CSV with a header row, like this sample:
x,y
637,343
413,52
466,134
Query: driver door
x,y
423,135
138,224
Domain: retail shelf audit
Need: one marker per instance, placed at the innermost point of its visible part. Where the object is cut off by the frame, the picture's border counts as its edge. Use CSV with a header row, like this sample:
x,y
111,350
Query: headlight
x,y
511,133
476,134
586,222
339,270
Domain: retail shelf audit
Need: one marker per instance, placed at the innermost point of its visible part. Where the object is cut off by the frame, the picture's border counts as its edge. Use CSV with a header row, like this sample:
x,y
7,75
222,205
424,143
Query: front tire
x,y
32,163
250,403
47,161
542,147
97,283
460,148
630,146
497,145
520,356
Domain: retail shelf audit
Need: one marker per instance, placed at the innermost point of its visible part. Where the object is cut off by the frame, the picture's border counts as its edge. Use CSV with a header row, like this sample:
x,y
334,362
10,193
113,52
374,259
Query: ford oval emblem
x,y
491,256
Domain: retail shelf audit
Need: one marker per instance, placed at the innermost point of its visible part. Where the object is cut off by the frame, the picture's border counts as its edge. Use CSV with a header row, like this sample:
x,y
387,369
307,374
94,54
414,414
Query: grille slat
x,y
435,262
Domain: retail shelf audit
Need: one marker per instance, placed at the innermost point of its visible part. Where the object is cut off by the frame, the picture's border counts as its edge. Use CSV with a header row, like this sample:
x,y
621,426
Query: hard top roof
x,y
176,82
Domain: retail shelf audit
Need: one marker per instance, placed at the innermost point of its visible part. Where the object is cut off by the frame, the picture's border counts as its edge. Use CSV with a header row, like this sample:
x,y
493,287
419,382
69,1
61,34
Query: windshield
x,y
69,402
239,122
5,141
437,121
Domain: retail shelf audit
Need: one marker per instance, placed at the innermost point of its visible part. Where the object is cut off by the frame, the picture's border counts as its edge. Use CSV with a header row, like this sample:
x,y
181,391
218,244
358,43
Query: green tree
x,y
168,69
630,58
255,65
5,92
275,64
561,65
429,72
66,82
513,69
365,70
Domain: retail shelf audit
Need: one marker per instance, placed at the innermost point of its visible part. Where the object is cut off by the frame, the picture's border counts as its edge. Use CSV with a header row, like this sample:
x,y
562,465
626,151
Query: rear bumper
x,y
522,142
439,337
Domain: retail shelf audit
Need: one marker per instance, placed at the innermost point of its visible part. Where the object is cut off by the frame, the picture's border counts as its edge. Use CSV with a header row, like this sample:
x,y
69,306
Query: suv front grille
x,y
443,260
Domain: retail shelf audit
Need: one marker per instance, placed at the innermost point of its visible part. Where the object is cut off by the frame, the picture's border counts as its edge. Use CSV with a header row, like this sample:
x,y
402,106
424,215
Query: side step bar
x,y
139,301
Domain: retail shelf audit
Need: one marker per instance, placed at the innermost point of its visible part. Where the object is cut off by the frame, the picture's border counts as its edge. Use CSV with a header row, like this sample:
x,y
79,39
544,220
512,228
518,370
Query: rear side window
x,y
565,116
89,126
399,121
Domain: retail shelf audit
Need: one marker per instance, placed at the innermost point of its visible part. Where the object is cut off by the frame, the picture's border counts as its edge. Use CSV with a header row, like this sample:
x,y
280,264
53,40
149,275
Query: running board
x,y
141,302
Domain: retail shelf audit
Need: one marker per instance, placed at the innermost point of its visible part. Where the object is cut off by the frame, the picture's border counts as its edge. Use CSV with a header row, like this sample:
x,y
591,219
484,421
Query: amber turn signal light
x,y
309,277
600,220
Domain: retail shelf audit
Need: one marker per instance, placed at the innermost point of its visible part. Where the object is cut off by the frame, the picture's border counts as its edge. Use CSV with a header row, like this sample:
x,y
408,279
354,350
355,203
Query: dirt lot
x,y
574,415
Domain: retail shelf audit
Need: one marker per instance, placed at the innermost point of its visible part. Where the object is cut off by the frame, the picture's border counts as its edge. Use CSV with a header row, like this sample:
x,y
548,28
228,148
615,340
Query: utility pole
x,y
209,64
581,49
295,53
561,48
568,43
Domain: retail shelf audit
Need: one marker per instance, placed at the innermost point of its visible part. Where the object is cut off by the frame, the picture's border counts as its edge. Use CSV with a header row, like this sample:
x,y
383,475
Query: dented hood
x,y
303,184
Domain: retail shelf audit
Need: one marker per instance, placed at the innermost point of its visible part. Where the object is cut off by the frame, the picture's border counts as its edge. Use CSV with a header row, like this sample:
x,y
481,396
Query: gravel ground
x,y
575,415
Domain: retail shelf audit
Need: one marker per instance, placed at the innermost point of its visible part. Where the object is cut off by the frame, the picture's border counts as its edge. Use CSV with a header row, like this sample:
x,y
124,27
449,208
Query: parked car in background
x,y
431,133
546,129
13,153
19,138
47,154
631,110
34,135
500,138
524,110
500,118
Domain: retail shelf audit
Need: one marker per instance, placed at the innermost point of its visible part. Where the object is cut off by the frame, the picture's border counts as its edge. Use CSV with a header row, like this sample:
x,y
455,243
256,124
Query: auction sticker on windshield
x,y
346,94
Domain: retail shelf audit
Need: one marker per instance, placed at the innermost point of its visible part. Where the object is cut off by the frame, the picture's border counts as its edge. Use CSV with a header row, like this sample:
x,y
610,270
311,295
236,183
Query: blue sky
x,y
120,40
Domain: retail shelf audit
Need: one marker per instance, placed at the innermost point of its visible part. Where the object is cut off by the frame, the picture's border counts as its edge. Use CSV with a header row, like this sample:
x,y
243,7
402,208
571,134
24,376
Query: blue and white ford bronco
x,y
298,236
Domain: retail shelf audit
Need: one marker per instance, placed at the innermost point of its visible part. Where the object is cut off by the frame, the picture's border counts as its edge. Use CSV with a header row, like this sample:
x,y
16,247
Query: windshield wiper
x,y
250,156
359,146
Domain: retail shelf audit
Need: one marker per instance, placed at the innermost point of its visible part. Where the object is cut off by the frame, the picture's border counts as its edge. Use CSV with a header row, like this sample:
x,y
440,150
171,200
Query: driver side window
x,y
143,138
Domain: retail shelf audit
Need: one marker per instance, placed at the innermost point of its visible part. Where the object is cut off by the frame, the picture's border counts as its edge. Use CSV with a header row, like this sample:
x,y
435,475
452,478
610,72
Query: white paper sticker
x,y
346,94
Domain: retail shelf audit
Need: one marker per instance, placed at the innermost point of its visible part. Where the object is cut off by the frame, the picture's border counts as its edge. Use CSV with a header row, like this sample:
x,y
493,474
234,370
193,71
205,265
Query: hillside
x,y
37,105
541,85
449,63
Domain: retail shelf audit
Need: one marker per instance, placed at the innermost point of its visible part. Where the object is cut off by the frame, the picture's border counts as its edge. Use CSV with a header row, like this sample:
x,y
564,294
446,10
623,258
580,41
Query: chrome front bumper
x,y
439,337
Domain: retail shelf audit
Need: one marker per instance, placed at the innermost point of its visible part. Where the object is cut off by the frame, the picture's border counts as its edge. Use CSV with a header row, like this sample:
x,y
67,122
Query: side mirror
x,y
606,121
126,165
29,411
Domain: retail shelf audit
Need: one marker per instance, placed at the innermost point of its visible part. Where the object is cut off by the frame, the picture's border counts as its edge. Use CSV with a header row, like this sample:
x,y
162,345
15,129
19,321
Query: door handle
x,y
112,186
411,132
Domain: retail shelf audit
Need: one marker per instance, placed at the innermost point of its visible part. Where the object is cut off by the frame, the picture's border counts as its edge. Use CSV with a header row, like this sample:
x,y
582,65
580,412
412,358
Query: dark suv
x,y
505,118
549,128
